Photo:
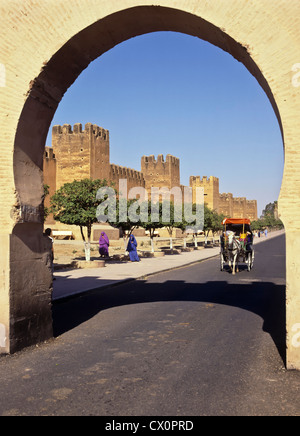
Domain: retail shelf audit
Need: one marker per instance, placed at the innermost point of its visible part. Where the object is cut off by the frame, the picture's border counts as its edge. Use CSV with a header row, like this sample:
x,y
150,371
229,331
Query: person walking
x,y
132,249
103,245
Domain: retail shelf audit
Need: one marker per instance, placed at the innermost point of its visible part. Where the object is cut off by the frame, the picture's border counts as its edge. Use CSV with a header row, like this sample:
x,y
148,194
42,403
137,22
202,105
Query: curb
x,y
128,280
120,282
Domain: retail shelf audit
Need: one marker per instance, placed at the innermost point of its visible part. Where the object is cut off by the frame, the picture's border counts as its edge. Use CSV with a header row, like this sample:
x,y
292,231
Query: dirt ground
x,y
66,251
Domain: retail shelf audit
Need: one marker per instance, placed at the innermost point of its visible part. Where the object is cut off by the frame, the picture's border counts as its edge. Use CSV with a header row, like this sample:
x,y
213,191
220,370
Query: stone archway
x,y
45,65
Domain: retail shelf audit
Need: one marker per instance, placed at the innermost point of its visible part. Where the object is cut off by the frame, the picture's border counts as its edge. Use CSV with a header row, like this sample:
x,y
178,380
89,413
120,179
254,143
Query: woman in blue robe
x,y
103,245
131,248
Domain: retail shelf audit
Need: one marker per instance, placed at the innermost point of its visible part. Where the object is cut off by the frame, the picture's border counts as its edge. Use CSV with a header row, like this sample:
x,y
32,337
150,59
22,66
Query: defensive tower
x,y
211,190
160,173
80,153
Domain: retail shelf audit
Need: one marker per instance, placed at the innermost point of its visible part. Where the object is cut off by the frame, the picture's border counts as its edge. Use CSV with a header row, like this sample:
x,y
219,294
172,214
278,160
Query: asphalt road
x,y
191,342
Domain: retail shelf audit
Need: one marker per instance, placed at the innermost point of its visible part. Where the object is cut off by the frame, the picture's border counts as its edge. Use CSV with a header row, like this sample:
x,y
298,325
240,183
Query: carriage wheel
x,y
252,259
249,261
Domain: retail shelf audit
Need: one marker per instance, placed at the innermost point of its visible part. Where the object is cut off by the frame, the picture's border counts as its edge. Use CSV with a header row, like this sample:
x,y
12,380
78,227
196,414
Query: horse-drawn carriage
x,y
236,243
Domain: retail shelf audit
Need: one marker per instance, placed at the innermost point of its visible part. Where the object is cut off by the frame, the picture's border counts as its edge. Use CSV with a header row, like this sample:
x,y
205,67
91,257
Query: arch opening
x,y
47,90
44,96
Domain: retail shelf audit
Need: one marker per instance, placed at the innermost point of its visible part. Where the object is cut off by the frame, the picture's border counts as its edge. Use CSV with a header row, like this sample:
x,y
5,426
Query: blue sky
x,y
169,93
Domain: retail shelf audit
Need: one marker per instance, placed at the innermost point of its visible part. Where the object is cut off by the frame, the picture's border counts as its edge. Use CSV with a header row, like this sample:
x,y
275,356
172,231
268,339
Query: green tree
x,y
151,218
268,218
257,225
76,203
212,222
172,221
126,225
269,209
208,221
216,222
193,220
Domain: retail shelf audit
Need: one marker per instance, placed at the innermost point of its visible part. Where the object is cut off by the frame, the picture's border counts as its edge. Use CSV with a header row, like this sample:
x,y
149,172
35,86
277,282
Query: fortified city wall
x,y
251,209
85,153
234,207
226,204
80,153
134,178
211,190
159,172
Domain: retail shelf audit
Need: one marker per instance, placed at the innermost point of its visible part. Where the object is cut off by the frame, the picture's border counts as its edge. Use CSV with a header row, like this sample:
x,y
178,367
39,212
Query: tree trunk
x,y
82,234
125,242
170,231
151,239
87,245
152,244
206,235
87,250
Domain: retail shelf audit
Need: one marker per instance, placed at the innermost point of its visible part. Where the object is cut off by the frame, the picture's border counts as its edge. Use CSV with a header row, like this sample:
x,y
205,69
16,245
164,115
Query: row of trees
x,y
76,203
269,218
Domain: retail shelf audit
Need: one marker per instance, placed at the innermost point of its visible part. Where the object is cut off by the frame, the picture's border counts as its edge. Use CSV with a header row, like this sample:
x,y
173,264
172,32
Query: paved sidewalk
x,y
77,281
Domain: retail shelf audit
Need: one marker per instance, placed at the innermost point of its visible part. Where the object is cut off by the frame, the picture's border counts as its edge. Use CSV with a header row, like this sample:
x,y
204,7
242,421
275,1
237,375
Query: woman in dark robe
x,y
131,248
103,245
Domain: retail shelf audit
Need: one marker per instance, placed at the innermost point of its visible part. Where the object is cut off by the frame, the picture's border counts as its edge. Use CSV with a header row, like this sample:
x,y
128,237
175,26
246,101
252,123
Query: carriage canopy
x,y
242,231
238,225
236,221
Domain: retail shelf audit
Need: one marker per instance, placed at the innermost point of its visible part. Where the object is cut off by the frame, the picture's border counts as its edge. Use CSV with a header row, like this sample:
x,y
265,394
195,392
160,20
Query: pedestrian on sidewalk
x,y
103,245
132,249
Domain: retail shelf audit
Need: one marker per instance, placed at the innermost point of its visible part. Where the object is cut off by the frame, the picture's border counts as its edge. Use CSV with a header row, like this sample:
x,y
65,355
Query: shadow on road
x,y
265,299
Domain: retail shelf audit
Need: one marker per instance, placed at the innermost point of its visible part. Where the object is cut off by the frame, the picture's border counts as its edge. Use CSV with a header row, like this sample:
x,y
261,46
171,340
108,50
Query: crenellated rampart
x,y
89,129
134,178
79,153
161,172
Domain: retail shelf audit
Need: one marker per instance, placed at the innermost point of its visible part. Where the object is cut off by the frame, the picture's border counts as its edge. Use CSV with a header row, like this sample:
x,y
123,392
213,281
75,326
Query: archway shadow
x,y
265,299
